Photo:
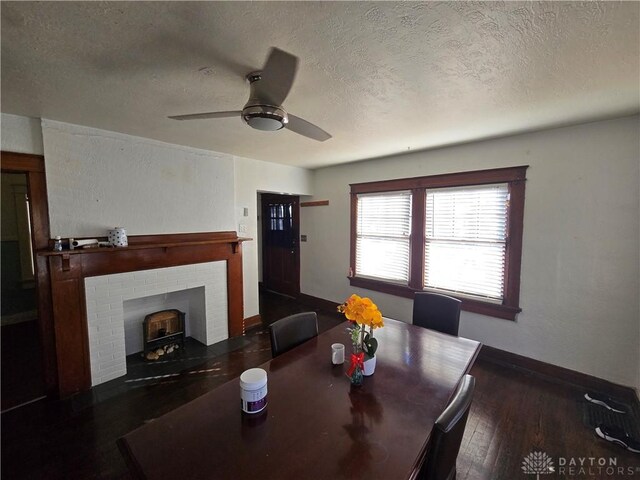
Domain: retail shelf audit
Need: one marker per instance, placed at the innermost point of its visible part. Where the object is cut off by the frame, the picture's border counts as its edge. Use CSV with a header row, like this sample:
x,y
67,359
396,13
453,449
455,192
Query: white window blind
x,y
466,233
383,229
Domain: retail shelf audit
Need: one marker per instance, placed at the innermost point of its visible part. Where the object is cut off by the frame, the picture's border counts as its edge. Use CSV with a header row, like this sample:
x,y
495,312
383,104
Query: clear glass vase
x,y
357,376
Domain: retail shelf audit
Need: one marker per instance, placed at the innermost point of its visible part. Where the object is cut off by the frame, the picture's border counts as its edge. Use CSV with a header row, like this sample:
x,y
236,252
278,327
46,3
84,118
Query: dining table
x,y
316,424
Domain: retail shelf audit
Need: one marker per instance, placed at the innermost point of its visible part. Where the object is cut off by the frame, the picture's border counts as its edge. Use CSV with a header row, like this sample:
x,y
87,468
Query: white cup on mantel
x,y
118,237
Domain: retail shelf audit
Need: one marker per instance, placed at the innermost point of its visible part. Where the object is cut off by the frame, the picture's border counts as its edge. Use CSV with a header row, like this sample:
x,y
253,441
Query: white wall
x,y
580,285
97,180
581,251
20,134
253,176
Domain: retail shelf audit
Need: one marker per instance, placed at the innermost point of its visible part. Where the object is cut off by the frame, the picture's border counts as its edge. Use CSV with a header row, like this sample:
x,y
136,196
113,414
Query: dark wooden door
x,y
280,252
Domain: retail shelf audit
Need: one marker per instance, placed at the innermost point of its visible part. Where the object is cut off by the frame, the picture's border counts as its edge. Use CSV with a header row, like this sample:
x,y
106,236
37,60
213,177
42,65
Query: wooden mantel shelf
x,y
68,269
142,246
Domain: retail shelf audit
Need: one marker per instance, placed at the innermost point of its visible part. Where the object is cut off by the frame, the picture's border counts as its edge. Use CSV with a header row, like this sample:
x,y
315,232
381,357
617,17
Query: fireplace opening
x,y
190,302
163,332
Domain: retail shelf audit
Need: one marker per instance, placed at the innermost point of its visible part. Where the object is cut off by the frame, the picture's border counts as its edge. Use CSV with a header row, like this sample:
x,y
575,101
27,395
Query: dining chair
x,y
437,312
291,331
440,463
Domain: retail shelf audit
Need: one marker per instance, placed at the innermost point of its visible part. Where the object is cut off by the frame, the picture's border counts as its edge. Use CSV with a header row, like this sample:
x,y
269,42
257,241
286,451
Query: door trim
x,y
34,168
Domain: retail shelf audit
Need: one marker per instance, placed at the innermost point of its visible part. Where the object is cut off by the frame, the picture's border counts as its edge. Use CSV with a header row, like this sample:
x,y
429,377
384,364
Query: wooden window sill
x,y
506,312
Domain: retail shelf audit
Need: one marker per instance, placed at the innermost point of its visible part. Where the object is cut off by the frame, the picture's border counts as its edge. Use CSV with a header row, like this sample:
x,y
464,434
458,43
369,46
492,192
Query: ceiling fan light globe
x,y
264,123
265,117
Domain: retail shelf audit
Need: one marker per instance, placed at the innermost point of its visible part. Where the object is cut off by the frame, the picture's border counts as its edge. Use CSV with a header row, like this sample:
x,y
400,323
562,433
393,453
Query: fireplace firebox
x,y
163,328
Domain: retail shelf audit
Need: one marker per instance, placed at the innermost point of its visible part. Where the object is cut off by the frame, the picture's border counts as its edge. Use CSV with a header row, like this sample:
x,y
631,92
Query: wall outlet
x,y
303,238
242,228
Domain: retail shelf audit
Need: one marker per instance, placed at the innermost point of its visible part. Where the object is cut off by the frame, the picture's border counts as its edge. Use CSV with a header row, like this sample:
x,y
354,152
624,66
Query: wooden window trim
x,y
515,177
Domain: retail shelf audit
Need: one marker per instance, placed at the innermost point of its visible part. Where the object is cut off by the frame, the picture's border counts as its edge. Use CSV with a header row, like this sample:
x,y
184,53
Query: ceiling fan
x,y
269,88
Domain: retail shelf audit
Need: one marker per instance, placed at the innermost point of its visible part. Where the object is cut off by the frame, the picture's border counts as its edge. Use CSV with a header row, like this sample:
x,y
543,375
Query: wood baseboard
x,y
560,374
252,322
318,303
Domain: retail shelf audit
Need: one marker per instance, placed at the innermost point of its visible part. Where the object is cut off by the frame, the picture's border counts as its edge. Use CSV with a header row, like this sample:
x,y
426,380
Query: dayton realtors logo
x,y
537,463
598,467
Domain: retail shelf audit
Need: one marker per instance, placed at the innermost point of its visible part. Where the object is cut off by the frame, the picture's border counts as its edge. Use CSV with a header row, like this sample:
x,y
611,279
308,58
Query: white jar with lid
x,y
253,390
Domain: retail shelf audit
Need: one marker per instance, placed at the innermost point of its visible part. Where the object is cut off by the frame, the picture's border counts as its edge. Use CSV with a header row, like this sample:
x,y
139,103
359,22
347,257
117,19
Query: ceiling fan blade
x,y
276,77
201,116
302,127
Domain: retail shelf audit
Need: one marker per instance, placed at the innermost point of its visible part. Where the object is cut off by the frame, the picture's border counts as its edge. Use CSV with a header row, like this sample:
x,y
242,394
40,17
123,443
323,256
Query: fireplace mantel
x,y
68,269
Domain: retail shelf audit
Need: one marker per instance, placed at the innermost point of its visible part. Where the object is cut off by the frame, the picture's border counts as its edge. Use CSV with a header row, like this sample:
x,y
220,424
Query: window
x,y
382,245
465,239
280,217
459,234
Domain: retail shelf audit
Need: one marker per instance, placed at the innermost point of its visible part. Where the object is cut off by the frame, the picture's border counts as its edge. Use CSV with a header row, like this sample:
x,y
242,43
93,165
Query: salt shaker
x,y
57,244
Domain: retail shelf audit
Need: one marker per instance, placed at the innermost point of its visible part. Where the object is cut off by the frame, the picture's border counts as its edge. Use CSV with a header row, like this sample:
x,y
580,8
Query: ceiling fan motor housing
x,y
265,117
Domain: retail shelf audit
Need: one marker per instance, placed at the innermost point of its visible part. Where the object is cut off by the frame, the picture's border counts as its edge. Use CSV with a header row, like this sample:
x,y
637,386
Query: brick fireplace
x,y
71,287
106,296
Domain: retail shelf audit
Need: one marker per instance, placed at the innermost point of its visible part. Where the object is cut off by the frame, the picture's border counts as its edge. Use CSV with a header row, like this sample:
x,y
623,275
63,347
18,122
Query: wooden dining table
x,y
316,424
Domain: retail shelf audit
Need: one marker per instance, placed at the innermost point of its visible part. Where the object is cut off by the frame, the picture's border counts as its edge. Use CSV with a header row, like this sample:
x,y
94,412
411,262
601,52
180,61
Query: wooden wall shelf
x,y
68,269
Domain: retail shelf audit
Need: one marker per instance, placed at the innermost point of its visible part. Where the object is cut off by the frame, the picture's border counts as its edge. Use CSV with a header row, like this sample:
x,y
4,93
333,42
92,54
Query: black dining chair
x,y
440,462
291,331
437,312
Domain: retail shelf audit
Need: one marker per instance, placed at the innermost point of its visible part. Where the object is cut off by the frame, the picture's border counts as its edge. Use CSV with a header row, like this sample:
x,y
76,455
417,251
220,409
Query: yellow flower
x,y
362,311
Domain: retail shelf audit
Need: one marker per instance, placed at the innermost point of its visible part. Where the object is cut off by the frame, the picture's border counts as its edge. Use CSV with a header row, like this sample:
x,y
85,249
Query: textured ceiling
x,y
381,77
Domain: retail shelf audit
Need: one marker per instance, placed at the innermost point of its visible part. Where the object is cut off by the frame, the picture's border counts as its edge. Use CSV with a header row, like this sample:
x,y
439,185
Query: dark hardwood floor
x,y
21,366
513,413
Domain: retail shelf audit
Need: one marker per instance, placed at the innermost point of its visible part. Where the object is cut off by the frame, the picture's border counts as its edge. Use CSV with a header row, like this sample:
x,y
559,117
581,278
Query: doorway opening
x,y
22,362
280,218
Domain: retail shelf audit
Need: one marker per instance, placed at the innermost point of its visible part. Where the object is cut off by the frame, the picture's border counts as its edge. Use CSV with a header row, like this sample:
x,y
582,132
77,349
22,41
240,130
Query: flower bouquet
x,y
363,313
